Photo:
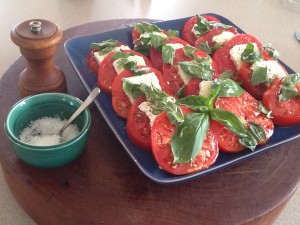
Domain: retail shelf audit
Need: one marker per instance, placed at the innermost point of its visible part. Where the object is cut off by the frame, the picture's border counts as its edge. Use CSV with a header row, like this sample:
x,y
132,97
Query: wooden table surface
x,y
103,186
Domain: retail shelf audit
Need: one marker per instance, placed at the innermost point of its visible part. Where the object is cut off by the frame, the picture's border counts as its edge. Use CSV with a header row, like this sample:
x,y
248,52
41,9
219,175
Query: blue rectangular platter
x,y
77,50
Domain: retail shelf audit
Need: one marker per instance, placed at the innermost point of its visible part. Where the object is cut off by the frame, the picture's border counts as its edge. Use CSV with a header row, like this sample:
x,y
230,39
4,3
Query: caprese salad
x,y
185,98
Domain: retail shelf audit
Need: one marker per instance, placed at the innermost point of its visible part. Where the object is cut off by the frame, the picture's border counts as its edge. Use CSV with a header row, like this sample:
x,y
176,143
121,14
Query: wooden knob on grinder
x,y
38,40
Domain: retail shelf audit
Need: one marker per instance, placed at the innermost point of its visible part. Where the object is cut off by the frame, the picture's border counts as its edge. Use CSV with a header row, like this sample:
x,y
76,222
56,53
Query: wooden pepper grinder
x,y
38,40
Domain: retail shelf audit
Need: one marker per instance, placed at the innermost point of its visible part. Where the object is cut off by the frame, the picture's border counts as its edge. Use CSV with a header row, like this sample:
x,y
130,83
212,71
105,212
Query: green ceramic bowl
x,y
47,105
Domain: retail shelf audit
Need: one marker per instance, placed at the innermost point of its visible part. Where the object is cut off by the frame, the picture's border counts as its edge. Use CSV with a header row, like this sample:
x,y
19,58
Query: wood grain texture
x,y
103,186
41,74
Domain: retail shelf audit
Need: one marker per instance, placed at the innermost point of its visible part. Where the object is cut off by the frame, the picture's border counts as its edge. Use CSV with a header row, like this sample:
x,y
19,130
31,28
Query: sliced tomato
x,y
170,72
192,88
107,73
187,29
222,56
135,35
161,134
120,101
246,108
245,73
92,62
208,37
285,113
155,55
138,125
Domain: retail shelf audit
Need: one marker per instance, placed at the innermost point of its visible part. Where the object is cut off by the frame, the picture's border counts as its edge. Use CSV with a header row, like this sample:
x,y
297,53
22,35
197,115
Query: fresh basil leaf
x,y
119,54
215,47
292,79
105,47
228,87
144,49
197,70
144,39
189,136
180,92
248,142
271,51
264,110
156,97
145,27
214,94
189,51
288,89
126,63
203,25
255,134
288,92
259,75
250,55
230,121
133,89
156,40
226,74
205,47
174,113
195,102
140,71
173,33
168,54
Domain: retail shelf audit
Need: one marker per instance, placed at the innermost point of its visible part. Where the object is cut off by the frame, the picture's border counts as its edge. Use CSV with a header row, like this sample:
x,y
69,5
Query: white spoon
x,y
83,106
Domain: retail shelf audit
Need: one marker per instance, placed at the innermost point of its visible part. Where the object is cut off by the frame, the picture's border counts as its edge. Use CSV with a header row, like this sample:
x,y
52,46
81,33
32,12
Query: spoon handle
x,y
83,106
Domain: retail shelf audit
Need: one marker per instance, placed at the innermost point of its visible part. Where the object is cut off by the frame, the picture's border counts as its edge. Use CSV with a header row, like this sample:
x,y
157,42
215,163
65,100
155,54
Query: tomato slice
x,y
245,73
208,37
161,134
135,35
192,88
155,55
138,125
107,73
170,72
246,108
187,29
285,113
222,55
91,61
120,101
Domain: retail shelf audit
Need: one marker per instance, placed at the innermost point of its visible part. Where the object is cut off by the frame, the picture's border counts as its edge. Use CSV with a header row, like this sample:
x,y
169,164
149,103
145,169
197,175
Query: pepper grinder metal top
x,y
38,40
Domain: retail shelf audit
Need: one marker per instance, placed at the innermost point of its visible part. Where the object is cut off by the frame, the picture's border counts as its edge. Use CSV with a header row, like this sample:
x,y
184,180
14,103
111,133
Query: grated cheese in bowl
x,y
44,132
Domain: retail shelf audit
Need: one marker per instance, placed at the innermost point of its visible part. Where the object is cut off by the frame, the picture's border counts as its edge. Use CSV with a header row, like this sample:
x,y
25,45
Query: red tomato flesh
x,y
245,107
285,113
120,101
161,135
155,55
187,29
138,125
222,56
107,73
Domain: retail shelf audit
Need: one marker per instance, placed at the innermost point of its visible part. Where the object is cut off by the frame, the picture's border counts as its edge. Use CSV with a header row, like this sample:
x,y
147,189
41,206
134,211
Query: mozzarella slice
x,y
184,76
146,107
135,58
274,70
222,38
148,79
99,58
175,45
205,88
236,54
